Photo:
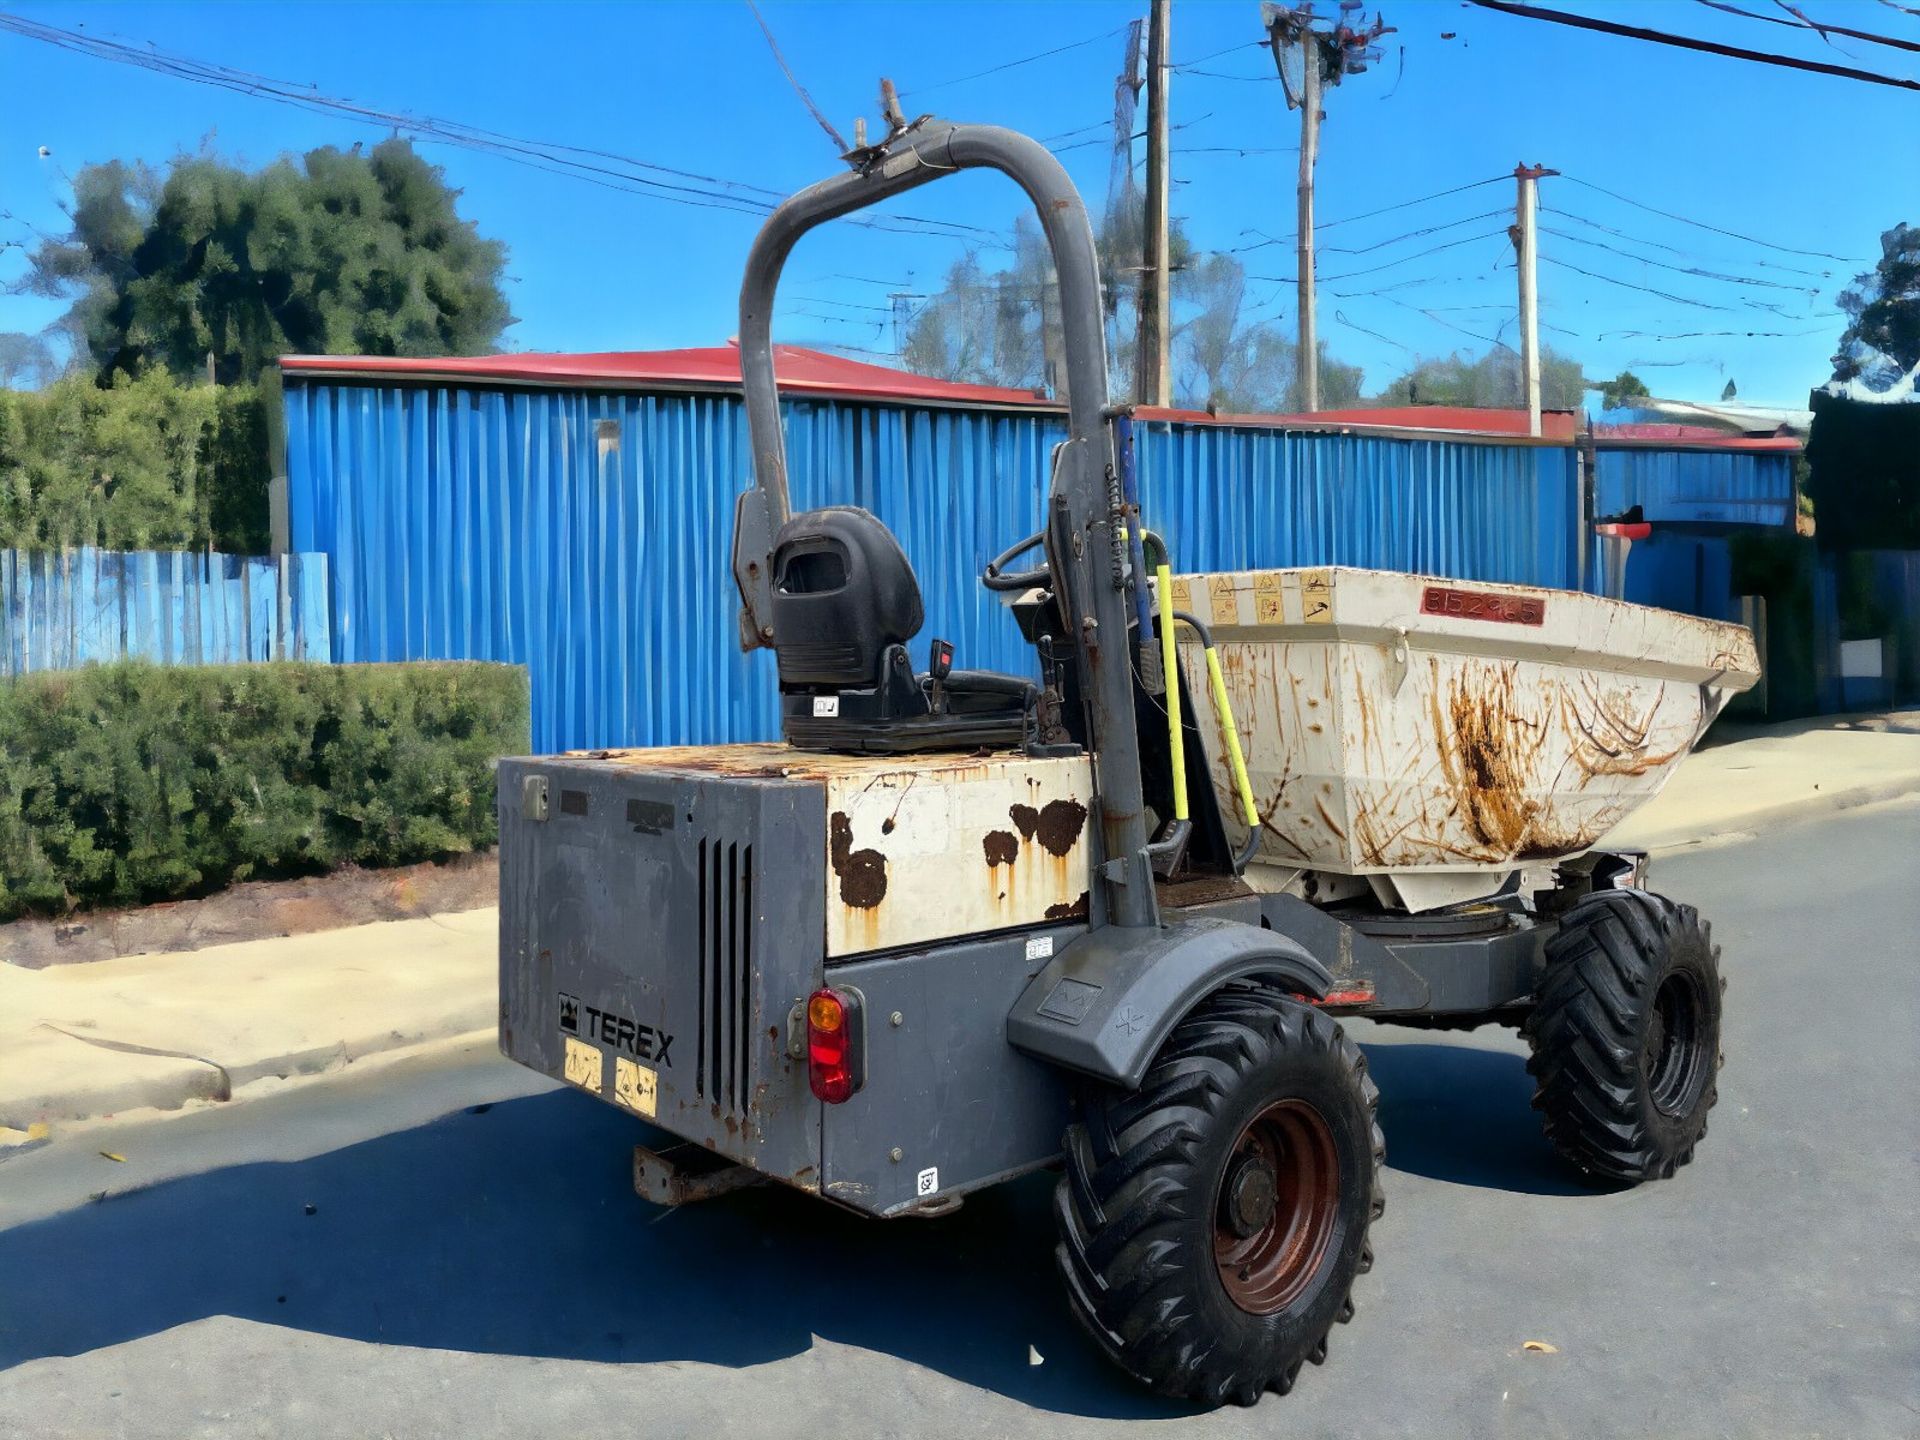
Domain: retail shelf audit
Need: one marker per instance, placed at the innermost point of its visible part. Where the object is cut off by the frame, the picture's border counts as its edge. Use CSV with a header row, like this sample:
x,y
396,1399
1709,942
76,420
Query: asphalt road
x,y
451,1248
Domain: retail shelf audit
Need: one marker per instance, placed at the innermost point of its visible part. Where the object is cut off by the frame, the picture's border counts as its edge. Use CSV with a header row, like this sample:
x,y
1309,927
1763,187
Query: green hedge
x,y
150,464
128,783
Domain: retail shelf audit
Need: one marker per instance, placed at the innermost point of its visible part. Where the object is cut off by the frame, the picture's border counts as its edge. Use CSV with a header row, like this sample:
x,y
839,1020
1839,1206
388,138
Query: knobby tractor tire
x,y
1212,1222
1626,1035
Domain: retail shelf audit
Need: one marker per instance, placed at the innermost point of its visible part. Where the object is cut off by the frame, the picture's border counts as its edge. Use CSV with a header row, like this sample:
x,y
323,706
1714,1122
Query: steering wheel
x,y
997,577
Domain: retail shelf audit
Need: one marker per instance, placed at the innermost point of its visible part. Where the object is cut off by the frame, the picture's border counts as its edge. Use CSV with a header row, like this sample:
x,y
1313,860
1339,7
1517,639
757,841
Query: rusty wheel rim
x,y
1277,1207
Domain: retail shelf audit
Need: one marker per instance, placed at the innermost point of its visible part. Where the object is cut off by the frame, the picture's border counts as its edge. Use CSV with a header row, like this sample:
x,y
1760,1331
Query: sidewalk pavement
x,y
81,1041
86,1040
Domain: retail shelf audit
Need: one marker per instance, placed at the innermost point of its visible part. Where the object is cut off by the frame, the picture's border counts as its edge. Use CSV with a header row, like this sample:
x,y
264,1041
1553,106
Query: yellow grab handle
x,y
1176,748
1238,760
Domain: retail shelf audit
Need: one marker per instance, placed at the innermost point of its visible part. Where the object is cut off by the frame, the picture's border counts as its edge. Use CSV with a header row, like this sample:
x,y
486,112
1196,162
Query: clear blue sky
x,y
1805,161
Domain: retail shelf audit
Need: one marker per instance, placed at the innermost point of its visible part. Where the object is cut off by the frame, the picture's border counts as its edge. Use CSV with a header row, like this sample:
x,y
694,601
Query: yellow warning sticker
x,y
1183,593
1226,609
1268,609
1266,582
635,1086
583,1065
1316,597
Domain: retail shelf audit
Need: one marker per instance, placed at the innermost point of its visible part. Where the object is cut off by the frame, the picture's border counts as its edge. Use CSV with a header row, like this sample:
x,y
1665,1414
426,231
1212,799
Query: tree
x,y
1623,390
24,360
987,327
1492,381
342,253
1882,339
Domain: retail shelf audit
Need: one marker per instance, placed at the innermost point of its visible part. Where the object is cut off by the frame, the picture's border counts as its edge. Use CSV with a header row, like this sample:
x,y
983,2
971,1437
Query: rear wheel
x,y
1626,1035
1212,1222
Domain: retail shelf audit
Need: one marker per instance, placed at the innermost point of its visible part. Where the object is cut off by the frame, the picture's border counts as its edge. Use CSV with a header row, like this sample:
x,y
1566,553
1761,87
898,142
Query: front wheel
x,y
1626,1035
1213,1221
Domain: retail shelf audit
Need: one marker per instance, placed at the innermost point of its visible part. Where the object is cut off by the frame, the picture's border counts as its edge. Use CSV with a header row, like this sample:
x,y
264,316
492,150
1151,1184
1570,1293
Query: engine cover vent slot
x,y
726,934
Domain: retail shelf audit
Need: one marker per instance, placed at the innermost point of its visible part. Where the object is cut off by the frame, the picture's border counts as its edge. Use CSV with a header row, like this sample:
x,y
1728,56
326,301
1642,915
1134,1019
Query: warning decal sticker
x,y
635,1086
583,1065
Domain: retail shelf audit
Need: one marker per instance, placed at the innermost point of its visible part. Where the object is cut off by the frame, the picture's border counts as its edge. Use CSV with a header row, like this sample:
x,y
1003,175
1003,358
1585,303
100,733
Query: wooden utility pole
x,y
1155,385
1308,358
1526,262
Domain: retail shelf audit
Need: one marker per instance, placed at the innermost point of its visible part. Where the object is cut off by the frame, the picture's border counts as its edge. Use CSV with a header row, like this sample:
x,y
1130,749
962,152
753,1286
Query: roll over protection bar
x,y
1082,528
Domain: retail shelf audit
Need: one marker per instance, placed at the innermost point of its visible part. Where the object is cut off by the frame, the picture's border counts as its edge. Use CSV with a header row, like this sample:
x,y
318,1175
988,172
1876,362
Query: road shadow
x,y
512,1228
1463,1113
515,1230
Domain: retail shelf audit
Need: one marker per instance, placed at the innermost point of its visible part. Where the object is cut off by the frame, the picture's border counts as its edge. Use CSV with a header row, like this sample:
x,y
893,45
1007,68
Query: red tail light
x,y
834,1060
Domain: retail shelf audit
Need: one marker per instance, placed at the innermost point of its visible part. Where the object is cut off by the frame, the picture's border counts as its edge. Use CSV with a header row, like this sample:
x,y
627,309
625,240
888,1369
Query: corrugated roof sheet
x,y
1557,427
796,369
1654,435
803,371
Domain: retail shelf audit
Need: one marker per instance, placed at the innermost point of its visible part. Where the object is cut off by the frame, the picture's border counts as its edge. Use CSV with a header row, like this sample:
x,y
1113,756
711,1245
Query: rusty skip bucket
x,y
1399,724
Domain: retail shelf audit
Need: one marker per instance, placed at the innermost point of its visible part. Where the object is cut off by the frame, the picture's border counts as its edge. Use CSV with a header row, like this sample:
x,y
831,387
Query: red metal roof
x,y
1660,435
816,372
1556,426
796,369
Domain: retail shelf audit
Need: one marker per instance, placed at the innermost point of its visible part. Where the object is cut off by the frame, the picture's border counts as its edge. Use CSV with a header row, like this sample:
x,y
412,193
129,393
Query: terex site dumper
x,y
959,926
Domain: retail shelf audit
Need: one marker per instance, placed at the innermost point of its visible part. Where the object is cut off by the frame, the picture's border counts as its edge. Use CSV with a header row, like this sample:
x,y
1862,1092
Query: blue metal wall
x,y
1741,487
586,534
1235,498
62,608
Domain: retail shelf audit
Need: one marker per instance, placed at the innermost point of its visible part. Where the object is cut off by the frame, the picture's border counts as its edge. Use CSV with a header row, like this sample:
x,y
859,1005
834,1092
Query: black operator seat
x,y
845,604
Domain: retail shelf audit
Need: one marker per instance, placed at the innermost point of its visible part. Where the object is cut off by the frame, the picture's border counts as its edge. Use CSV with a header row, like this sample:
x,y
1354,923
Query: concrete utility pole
x,y
1526,262
1308,357
1155,385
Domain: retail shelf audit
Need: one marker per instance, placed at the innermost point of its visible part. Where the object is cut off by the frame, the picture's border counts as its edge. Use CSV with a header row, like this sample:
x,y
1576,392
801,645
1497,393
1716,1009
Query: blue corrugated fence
x,y
585,533
1696,486
63,608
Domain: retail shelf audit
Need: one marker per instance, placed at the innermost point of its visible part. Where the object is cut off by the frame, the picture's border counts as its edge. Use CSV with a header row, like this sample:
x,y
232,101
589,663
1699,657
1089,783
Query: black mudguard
x,y
1104,1004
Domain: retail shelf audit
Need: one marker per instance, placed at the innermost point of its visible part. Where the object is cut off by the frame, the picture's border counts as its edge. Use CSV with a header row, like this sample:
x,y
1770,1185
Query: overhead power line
x,y
1689,42
1388,264
1216,54
625,173
1703,225
1014,64
1644,289
1417,200
1681,269
1820,27
1633,239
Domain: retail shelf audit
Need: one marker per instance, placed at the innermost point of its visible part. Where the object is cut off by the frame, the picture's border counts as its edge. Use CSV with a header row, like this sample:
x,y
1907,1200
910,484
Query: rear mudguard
x,y
1104,1004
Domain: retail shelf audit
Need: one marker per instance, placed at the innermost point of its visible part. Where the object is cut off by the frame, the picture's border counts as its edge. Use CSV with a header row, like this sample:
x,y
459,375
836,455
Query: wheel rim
x,y
1672,1056
1277,1207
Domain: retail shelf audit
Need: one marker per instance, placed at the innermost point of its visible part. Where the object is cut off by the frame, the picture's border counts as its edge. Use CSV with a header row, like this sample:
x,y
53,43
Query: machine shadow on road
x,y
513,1229
1462,1112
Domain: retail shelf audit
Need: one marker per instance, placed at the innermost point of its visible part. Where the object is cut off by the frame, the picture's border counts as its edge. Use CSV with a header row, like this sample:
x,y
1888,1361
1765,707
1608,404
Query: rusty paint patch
x,y
1488,747
863,873
1001,847
1076,910
1026,817
1060,825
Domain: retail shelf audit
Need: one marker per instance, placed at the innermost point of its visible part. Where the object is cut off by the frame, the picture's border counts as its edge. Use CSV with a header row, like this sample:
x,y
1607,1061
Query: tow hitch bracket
x,y
681,1174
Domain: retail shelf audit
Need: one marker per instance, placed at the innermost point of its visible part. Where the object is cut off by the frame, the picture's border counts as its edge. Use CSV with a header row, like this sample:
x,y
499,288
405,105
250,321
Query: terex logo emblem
x,y
622,1032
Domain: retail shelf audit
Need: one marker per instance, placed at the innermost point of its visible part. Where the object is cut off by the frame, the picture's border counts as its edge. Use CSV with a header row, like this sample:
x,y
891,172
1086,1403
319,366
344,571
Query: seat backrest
x,y
842,593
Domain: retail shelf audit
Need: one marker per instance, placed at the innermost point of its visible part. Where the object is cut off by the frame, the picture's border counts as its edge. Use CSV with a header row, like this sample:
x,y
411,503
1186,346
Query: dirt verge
x,y
257,910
